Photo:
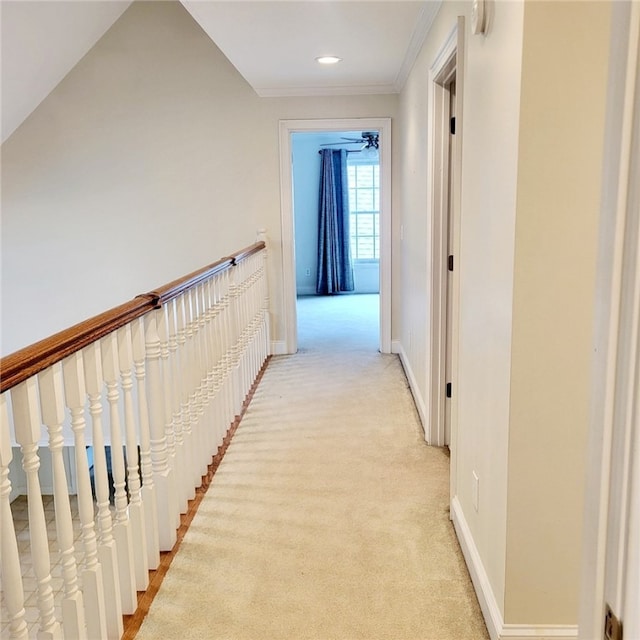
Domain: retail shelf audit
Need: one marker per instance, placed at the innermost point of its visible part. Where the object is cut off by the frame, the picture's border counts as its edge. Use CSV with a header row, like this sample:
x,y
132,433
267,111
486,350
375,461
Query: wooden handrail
x,y
174,289
243,254
21,365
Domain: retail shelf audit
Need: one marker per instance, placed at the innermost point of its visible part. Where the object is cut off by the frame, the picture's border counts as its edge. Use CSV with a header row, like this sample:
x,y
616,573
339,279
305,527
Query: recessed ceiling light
x,y
328,59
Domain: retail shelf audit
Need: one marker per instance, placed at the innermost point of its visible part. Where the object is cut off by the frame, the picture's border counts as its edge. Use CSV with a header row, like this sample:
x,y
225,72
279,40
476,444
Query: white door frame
x,y
448,63
611,544
287,127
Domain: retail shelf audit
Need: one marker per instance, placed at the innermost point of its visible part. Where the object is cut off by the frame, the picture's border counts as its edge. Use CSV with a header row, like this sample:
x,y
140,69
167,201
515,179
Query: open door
x,y
445,139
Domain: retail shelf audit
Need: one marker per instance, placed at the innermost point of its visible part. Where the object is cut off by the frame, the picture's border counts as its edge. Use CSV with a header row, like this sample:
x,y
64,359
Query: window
x,y
364,208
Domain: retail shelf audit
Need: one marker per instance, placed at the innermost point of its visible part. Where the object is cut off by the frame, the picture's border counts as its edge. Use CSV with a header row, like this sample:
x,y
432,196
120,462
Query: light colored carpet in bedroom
x,y
328,517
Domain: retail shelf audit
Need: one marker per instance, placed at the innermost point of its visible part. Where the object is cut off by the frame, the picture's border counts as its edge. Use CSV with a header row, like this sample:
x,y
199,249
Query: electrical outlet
x,y
476,490
307,272
612,626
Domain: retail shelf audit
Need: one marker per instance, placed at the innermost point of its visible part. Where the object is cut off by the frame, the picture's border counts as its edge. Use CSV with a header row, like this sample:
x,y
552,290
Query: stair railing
x,y
145,395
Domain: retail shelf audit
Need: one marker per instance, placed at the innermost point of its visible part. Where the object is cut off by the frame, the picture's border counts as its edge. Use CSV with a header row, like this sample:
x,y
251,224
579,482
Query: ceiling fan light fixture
x,y
328,59
369,152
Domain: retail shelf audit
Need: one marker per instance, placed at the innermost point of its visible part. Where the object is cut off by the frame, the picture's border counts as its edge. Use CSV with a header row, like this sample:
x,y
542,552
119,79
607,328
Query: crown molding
x,y
354,90
425,20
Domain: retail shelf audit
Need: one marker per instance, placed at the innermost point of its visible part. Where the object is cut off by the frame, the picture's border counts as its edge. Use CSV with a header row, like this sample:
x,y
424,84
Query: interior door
x,y
450,253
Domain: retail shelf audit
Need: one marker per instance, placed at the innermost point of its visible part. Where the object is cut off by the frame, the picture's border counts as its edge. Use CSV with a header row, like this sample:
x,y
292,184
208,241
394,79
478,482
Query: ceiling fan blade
x,y
329,144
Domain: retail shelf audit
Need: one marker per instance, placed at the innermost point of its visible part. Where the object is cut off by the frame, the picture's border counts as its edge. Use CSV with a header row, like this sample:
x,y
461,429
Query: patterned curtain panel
x,y
335,268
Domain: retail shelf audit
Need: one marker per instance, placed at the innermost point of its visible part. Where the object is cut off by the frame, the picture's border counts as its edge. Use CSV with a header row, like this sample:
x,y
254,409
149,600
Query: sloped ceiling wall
x,y
31,32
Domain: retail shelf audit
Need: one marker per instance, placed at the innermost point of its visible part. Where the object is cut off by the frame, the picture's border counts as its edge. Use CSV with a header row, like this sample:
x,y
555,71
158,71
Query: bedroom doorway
x,y
350,313
372,275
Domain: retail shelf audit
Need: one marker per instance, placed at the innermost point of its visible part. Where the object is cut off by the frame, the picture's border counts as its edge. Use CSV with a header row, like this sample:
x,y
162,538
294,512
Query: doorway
x,y
323,317
293,266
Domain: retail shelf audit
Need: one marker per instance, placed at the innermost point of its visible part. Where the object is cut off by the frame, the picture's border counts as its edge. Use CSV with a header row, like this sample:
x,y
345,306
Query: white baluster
x,y
234,327
167,396
242,333
245,327
199,379
249,329
215,339
195,395
225,303
262,235
256,314
136,515
149,498
184,461
107,549
250,326
27,430
266,310
226,345
209,366
259,296
262,337
121,527
189,426
162,474
229,332
219,350
10,565
52,408
92,585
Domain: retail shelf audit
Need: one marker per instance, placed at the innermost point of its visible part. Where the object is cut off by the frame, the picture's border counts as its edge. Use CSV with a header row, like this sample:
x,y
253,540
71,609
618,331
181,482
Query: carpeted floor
x,y
328,517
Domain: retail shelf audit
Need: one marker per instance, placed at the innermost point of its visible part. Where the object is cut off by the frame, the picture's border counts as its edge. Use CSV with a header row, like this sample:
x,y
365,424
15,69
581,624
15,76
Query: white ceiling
x,y
273,44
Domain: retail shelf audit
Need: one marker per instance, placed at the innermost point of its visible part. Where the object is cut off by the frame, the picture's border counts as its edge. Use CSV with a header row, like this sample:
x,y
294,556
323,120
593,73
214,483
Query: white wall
x,y
531,149
491,105
559,190
487,235
30,31
152,158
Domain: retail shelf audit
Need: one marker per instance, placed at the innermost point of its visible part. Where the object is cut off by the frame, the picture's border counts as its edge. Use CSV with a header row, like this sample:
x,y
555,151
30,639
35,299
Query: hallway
x,y
328,517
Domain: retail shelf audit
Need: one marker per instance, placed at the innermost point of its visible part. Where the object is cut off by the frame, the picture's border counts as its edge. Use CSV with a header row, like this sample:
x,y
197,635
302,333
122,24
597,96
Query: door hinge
x,y
452,126
612,626
448,389
450,263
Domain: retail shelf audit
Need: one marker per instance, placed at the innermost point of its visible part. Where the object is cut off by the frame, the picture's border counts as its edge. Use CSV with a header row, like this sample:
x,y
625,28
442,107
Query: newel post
x,y
262,236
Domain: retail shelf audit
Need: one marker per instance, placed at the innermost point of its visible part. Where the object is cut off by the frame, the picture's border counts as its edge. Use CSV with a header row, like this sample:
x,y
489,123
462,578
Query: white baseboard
x,y
396,347
484,592
538,631
493,618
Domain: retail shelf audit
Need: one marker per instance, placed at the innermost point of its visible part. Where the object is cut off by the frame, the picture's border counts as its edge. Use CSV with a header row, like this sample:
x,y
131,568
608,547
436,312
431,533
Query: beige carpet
x,y
328,517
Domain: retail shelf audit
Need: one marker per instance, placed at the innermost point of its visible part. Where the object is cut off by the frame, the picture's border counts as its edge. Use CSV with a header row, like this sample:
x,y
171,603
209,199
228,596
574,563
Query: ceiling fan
x,y
369,140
